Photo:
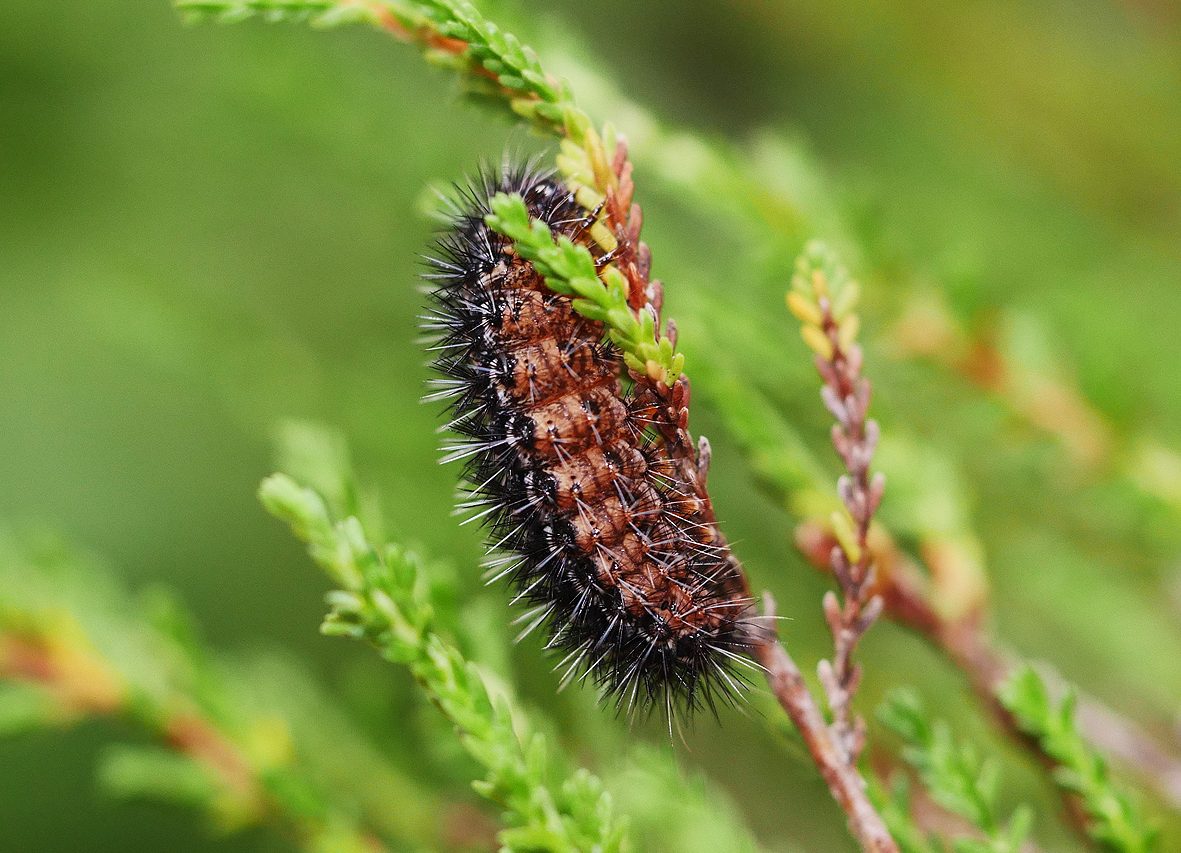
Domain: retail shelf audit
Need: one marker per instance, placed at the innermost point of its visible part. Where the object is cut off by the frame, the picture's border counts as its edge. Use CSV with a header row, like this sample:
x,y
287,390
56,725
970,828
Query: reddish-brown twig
x,y
836,747
825,744
967,643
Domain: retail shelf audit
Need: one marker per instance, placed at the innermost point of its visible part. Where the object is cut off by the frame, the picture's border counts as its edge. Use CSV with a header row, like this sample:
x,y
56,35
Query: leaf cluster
x,y
1115,820
569,269
820,289
515,68
955,776
381,599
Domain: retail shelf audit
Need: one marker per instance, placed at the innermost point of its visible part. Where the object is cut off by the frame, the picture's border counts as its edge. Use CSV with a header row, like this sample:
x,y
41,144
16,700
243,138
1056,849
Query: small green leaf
x,y
1115,821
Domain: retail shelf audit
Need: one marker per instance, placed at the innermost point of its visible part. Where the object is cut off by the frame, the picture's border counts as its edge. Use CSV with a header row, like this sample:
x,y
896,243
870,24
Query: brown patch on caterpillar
x,y
595,495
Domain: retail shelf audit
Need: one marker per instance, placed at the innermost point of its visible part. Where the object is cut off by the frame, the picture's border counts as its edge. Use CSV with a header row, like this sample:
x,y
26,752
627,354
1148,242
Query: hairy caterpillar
x,y
616,554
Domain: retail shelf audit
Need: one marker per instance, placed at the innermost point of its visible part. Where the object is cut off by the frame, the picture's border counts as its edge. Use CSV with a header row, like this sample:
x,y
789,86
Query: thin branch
x,y
968,645
846,393
824,744
381,599
78,683
823,298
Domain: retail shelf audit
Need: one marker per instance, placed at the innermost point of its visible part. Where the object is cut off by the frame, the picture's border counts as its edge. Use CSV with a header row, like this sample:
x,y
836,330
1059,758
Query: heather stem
x,y
822,297
824,744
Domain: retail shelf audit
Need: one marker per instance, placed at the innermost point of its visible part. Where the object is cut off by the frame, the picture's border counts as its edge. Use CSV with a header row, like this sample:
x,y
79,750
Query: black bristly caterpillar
x,y
593,521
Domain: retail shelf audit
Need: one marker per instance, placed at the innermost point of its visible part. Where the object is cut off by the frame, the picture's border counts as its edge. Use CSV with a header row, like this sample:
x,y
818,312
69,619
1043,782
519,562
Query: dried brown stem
x,y
836,747
823,741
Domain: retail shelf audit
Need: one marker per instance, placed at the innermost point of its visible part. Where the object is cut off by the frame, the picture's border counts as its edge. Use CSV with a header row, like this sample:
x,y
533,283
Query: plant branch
x,y
955,776
381,600
1112,819
823,298
988,667
71,650
824,743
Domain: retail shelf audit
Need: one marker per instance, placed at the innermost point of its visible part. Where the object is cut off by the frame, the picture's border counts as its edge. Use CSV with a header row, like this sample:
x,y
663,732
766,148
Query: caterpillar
x,y
589,514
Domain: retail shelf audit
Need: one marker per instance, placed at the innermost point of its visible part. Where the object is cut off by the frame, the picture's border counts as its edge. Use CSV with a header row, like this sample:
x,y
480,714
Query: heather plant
x,y
296,761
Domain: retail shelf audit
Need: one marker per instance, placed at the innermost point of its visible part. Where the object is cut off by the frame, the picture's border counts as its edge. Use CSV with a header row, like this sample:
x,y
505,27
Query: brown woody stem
x,y
826,747
966,642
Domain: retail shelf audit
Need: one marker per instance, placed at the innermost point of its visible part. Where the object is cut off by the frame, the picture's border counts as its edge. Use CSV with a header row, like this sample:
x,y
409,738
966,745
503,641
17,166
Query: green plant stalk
x,y
381,601
320,458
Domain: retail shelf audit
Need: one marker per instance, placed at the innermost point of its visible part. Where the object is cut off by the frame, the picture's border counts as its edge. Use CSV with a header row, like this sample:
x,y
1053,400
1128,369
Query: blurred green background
x,y
205,231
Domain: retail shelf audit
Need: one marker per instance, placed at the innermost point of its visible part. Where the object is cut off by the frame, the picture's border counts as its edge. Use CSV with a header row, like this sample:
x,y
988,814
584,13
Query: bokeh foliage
x,y
208,230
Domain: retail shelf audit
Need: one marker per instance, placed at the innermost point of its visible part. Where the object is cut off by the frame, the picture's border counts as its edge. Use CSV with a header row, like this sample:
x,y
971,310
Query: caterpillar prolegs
x,y
604,537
